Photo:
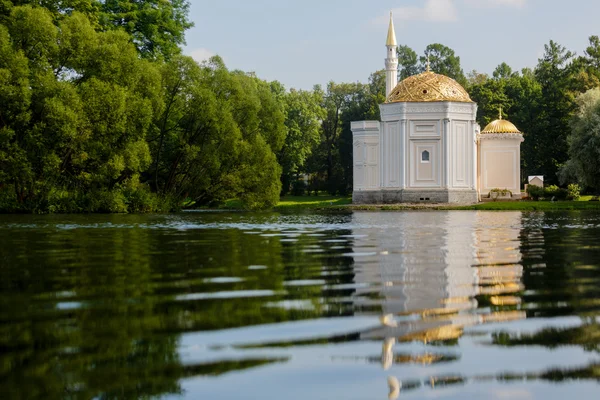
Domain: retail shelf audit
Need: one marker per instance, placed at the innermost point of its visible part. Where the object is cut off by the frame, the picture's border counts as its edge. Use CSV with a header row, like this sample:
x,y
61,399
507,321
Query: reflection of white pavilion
x,y
428,268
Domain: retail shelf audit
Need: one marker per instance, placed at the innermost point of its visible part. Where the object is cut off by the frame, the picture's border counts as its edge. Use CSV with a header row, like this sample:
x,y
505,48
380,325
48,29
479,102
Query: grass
x,y
287,202
534,206
297,203
345,203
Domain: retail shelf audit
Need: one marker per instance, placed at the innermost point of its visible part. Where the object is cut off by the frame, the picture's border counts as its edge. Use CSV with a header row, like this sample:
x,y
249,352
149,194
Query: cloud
x,y
443,10
497,3
201,54
432,10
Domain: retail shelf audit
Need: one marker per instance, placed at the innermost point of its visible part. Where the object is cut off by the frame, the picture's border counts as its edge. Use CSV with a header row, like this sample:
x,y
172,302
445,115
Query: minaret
x,y
391,62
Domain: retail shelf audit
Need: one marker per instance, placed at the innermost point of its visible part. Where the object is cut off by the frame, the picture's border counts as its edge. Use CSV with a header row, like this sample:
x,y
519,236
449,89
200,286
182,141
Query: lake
x,y
363,305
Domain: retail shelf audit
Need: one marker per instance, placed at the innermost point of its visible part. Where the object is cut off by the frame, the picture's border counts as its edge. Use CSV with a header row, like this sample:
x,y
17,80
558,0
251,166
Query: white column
x,y
403,154
446,155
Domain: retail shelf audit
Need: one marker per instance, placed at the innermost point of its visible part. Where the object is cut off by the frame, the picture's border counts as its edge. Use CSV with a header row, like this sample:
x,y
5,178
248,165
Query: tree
x,y
217,136
584,142
157,27
336,99
303,118
407,62
444,61
554,73
90,105
476,78
490,97
503,71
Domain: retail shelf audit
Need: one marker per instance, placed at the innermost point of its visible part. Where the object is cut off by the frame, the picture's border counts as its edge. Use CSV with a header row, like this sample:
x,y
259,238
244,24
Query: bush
x,y
497,192
553,192
107,201
535,192
574,191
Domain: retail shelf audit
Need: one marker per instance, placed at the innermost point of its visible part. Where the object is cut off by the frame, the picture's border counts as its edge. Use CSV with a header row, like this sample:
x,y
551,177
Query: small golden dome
x,y
500,126
428,87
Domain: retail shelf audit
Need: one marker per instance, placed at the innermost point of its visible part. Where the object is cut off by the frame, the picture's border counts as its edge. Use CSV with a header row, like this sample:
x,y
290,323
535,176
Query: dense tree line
x,y
100,111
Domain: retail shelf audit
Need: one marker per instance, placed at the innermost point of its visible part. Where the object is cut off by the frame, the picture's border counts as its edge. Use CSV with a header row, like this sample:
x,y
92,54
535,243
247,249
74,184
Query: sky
x,y
306,42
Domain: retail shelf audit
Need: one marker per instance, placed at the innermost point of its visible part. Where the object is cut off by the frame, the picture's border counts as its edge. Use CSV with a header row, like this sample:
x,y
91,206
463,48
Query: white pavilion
x,y
428,146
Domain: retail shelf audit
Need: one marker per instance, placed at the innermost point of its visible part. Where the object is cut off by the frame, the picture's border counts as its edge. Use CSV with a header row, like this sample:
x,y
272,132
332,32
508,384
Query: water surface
x,y
452,305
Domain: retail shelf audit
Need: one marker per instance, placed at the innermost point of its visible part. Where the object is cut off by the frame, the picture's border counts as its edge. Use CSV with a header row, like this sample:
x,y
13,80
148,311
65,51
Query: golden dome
x,y
428,87
500,126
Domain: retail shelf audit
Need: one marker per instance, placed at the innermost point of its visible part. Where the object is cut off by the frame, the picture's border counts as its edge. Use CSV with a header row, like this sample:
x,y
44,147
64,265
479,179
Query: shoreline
x,y
487,206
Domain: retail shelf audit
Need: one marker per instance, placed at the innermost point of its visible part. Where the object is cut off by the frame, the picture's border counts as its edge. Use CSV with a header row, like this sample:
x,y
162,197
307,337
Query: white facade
x,y
500,163
418,152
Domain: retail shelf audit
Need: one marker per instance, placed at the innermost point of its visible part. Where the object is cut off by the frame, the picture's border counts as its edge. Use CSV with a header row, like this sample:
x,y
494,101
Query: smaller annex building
x,y
428,146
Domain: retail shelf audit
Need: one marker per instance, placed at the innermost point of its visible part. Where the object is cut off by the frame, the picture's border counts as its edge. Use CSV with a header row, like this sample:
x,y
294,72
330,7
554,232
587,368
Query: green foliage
x,y
583,166
497,192
408,62
157,27
217,136
554,193
100,112
539,102
535,192
298,187
574,191
303,114
443,60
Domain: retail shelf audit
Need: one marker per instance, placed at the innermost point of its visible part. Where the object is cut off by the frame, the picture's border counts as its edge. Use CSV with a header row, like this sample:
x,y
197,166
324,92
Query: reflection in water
x,y
432,267
211,305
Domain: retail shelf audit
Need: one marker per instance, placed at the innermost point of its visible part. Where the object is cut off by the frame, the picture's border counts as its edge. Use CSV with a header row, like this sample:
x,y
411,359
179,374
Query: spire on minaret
x,y
500,113
391,38
428,67
391,61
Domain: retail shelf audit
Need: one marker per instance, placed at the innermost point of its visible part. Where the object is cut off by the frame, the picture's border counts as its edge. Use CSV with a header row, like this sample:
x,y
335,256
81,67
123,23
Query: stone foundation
x,y
415,196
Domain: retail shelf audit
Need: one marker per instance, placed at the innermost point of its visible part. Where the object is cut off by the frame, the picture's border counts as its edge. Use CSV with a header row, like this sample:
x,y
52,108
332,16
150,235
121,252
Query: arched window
x,y
425,156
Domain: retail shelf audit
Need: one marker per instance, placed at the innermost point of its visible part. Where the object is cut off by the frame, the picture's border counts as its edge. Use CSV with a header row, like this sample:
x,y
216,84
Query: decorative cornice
x,y
424,108
501,136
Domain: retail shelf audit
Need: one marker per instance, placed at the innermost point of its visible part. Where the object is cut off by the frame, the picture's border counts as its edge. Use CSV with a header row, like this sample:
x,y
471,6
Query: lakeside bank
x,y
340,203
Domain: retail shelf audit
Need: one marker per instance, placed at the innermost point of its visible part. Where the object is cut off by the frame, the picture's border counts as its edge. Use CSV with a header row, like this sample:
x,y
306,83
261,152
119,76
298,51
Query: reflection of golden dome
x,y
428,87
501,126
446,332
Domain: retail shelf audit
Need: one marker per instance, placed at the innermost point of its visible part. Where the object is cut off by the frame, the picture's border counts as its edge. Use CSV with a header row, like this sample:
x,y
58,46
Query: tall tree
x,y
303,121
157,27
554,73
503,71
408,62
584,143
336,99
217,136
443,60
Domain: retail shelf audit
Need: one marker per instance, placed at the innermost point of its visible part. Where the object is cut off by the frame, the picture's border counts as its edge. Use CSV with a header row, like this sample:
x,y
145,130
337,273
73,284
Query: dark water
x,y
452,305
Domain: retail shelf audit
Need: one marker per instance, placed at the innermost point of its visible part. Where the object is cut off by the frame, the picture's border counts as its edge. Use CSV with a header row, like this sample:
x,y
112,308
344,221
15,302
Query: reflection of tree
x,y
561,263
590,372
586,336
223,367
83,321
97,312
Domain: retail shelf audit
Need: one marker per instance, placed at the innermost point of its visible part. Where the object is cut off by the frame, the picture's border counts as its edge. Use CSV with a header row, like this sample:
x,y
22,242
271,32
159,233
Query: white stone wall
x,y
366,151
500,163
445,130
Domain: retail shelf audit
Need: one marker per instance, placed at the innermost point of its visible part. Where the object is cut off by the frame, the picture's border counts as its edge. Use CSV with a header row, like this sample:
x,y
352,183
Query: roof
x,y
540,177
500,126
391,36
428,87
